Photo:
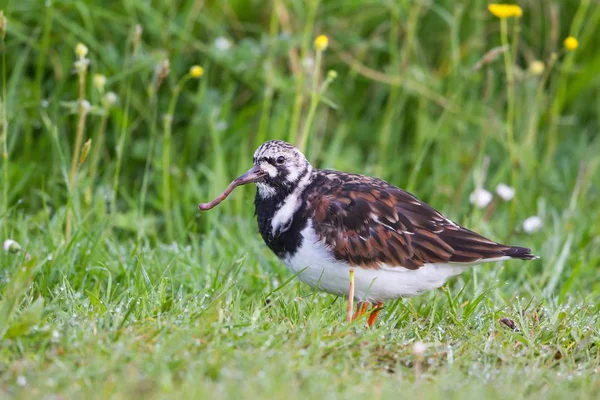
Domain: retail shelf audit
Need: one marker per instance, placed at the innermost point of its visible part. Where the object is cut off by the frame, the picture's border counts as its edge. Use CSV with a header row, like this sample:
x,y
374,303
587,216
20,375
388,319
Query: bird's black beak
x,y
250,176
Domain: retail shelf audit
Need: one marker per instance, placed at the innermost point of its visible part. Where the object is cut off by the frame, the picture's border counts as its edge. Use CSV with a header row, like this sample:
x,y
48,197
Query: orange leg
x,y
361,309
376,309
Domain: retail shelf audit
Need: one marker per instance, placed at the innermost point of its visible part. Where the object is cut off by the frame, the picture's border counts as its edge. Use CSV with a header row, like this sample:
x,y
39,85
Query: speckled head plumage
x,y
284,167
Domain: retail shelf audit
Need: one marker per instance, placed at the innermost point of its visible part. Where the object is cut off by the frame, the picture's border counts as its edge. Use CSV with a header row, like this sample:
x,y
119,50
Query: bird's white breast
x,y
317,267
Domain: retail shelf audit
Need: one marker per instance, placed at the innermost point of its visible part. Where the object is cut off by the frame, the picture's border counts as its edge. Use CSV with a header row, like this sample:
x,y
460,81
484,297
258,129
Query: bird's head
x,y
278,169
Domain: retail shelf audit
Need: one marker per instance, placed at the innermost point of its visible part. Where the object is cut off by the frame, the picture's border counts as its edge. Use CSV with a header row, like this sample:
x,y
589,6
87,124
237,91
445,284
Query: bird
x,y
323,223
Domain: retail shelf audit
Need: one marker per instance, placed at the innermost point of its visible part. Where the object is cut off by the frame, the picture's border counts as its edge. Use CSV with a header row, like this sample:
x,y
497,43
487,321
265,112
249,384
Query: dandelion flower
x,y
11,246
505,192
571,43
533,224
196,71
321,43
480,198
503,11
99,81
536,68
81,50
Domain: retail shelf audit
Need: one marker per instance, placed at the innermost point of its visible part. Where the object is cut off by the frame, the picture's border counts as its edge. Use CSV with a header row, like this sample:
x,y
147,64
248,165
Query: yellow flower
x,y
196,71
571,43
503,11
321,42
81,50
536,67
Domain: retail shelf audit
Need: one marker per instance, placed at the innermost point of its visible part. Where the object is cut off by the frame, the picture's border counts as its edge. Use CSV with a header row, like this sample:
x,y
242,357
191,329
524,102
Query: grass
x,y
140,295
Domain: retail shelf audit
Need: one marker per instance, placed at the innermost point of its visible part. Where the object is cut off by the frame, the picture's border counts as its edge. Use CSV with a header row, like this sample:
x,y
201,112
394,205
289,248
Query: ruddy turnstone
x,y
322,223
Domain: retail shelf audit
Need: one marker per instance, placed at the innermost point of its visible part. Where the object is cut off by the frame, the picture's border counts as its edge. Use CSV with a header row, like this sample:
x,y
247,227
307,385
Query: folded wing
x,y
367,223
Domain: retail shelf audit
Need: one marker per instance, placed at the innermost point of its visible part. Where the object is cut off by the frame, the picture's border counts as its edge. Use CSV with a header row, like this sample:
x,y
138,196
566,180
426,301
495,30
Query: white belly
x,y
317,267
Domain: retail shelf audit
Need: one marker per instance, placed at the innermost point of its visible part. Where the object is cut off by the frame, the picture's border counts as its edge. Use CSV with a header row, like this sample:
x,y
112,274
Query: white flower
x,y
533,224
21,380
81,65
419,349
99,81
480,198
11,246
221,43
536,68
505,192
85,105
111,98
308,63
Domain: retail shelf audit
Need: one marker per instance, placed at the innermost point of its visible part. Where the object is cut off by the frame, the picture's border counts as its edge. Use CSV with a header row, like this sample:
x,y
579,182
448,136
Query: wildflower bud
x,y
81,50
505,192
536,68
110,99
99,82
3,25
321,43
161,72
331,74
196,71
571,43
11,246
137,37
85,151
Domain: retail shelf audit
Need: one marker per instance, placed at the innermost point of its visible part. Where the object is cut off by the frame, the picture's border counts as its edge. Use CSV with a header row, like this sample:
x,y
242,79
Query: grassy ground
x,y
123,289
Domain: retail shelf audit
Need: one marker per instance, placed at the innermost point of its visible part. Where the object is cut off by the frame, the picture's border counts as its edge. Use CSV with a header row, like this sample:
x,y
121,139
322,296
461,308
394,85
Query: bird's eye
x,y
280,160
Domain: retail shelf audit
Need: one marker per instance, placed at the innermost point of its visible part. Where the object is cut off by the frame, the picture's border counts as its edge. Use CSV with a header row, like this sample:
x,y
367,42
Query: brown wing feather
x,y
368,222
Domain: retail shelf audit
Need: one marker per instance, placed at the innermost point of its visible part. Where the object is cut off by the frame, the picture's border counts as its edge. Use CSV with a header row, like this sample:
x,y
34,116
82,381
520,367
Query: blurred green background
x,y
438,97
